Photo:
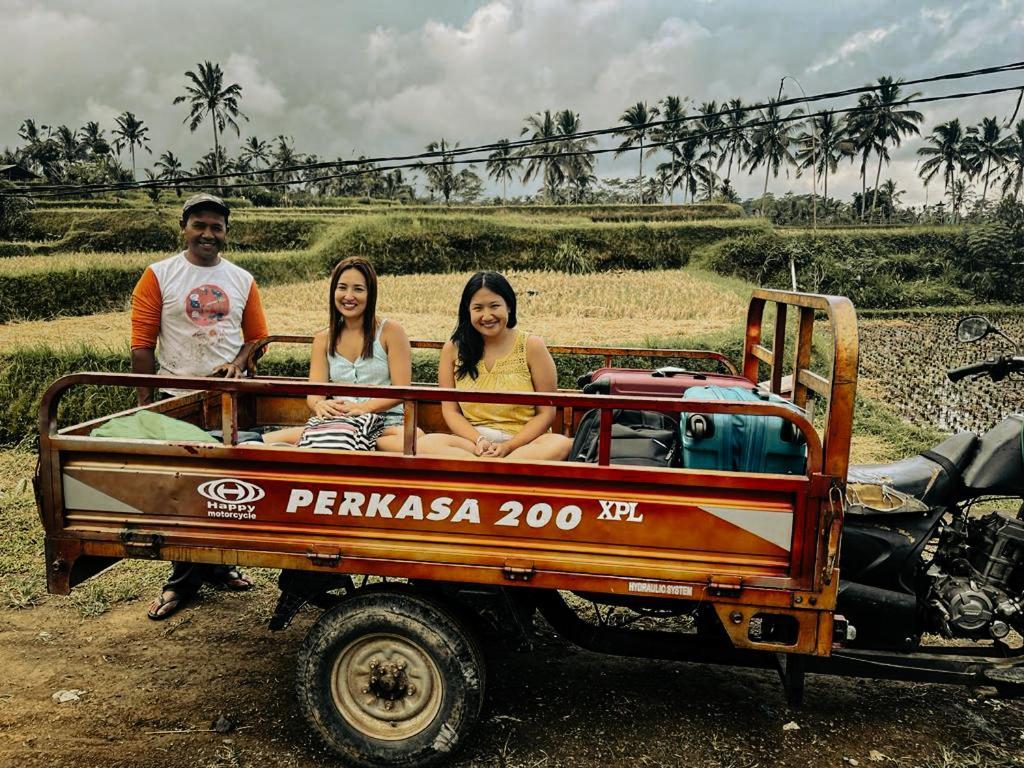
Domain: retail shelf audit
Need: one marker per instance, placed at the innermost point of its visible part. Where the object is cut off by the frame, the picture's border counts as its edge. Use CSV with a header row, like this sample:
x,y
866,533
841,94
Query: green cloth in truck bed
x,y
147,425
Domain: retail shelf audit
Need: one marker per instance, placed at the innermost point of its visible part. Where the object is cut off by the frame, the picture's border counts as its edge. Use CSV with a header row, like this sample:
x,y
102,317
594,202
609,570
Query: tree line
x,y
695,150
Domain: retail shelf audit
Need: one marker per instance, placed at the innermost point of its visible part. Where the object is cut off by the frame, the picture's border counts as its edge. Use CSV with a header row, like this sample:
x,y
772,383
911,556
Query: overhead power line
x,y
416,161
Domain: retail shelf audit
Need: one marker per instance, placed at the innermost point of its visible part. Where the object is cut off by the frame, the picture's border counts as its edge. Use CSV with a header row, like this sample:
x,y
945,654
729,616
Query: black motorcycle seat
x,y
931,477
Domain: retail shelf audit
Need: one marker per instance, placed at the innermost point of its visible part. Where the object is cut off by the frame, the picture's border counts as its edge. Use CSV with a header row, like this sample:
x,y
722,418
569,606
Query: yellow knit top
x,y
510,373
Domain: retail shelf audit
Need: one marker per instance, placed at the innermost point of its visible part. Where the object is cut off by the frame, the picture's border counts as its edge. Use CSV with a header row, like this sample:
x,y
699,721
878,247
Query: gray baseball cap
x,y
207,201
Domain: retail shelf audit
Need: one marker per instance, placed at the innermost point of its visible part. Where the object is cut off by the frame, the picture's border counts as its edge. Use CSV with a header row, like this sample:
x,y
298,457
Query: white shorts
x,y
494,435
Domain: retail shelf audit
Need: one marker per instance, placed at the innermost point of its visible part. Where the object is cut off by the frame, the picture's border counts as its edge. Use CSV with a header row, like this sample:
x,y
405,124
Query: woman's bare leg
x,y
441,444
286,435
392,440
547,447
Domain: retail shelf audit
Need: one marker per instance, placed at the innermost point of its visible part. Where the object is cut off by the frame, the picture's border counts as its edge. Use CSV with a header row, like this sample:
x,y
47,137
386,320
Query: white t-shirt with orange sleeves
x,y
196,317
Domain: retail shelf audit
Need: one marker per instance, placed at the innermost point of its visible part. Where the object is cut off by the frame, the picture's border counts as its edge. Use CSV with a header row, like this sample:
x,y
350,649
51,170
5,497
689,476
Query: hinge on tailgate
x,y
327,559
724,586
143,546
518,570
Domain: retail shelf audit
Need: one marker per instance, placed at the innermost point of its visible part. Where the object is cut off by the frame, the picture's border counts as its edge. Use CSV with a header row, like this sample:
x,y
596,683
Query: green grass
x,y
22,581
900,437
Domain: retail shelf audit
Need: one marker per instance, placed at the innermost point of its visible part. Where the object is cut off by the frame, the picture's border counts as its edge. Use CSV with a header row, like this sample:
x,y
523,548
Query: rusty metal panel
x,y
619,528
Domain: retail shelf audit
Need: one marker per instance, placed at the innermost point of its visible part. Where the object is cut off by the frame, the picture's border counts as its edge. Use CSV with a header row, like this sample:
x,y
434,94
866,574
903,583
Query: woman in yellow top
x,y
486,353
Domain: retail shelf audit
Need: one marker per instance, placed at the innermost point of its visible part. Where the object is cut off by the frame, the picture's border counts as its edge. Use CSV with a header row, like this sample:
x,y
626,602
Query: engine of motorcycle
x,y
997,543
965,608
983,598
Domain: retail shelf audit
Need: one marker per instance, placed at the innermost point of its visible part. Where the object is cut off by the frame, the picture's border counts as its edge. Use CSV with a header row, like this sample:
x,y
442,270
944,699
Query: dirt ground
x,y
149,693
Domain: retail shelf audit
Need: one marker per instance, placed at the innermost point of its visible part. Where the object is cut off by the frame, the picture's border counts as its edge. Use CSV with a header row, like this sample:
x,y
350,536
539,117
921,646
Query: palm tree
x,y
690,170
72,149
94,140
948,150
893,193
313,177
544,154
255,151
208,164
41,152
771,143
284,156
714,131
662,181
500,164
209,97
1015,161
576,163
726,193
131,133
170,168
713,126
33,133
371,182
672,130
439,174
822,149
737,140
859,129
987,147
637,117
153,192
888,119
396,187
960,195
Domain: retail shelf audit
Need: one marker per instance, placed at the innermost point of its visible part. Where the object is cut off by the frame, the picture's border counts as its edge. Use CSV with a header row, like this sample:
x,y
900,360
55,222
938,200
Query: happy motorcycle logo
x,y
231,498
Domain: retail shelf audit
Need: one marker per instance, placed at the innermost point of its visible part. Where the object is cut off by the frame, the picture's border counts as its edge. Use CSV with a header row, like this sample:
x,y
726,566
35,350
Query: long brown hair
x,y
337,323
468,341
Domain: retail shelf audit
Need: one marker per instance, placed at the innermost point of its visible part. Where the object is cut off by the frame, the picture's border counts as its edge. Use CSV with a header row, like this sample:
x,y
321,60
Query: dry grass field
x,y
599,308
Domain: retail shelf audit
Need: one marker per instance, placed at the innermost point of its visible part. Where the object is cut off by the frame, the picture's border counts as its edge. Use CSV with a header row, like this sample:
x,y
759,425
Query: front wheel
x,y
390,678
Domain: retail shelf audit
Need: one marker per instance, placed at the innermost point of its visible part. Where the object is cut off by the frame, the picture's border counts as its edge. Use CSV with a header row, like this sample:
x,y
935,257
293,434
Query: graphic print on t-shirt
x,y
207,304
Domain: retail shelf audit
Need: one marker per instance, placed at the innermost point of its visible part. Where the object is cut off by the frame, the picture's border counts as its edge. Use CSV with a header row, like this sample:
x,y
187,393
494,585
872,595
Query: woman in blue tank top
x,y
357,347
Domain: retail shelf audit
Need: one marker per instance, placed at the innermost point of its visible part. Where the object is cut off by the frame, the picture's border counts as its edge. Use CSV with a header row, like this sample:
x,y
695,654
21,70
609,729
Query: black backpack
x,y
639,438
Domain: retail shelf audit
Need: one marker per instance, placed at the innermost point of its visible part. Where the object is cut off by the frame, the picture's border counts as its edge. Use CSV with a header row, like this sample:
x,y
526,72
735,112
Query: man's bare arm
x,y
144,361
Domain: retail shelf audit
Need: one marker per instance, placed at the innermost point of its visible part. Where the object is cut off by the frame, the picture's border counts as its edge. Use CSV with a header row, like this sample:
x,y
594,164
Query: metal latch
x,y
325,559
724,586
143,546
518,570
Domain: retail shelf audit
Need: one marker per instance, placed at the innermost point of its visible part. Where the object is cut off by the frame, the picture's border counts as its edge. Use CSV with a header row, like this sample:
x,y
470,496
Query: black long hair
x,y
468,341
337,323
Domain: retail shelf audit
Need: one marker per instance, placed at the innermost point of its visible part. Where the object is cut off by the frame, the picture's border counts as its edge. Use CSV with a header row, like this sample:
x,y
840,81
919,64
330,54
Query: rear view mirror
x,y
974,328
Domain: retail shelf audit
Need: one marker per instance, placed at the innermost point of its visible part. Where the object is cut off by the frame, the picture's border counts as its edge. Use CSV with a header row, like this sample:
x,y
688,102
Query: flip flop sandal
x,y
163,608
235,581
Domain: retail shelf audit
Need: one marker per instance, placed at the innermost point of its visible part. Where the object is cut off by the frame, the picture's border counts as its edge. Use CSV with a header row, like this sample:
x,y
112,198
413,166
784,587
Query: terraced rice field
x,y
600,308
903,363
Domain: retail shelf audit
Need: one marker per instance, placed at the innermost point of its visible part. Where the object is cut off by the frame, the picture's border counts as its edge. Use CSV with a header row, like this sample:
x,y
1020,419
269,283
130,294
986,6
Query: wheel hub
x,y
386,686
389,681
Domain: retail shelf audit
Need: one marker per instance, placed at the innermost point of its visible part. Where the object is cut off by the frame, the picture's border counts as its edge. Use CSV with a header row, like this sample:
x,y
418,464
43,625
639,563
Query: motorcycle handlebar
x,y
997,369
955,374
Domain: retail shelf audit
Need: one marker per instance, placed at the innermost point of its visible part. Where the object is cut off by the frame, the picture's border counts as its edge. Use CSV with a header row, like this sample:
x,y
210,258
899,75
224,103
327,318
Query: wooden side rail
x,y
838,389
607,353
230,389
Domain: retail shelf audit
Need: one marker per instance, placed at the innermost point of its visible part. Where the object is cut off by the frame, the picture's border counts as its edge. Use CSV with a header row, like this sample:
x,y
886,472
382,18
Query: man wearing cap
x,y
203,315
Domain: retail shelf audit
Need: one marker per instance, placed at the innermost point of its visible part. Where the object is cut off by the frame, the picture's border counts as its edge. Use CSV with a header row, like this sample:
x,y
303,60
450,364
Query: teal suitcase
x,y
741,443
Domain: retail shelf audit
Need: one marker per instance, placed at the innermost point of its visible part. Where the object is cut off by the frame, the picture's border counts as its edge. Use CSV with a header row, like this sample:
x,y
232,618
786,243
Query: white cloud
x,y
260,95
986,30
856,43
656,67
386,78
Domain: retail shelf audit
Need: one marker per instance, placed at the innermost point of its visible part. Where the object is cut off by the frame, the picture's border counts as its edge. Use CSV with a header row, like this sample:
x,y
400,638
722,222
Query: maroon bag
x,y
663,382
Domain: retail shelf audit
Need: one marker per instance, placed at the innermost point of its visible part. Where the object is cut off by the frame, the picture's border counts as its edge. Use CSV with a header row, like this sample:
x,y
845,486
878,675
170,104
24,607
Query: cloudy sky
x,y
386,77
